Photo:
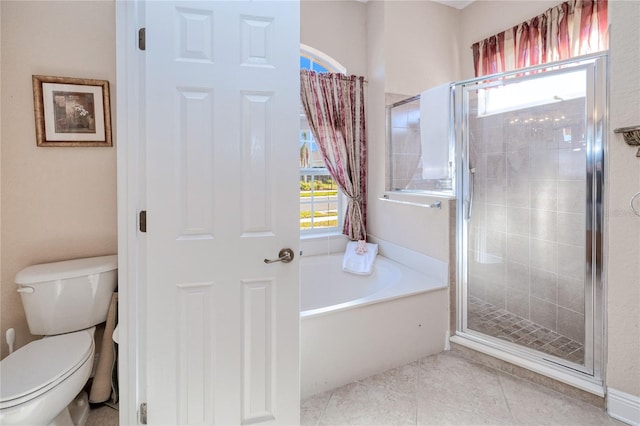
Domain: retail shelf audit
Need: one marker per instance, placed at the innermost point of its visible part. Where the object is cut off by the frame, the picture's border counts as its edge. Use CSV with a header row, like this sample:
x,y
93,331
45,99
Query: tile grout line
x,y
415,389
504,395
502,376
324,410
416,384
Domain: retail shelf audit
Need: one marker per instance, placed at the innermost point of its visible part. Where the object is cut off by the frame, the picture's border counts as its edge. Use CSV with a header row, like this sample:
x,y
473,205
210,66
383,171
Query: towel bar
x,y
434,205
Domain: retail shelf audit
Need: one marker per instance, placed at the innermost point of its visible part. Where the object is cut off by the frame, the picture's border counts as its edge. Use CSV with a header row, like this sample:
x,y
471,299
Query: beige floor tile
x,y
312,408
358,404
432,413
402,379
532,404
439,390
453,384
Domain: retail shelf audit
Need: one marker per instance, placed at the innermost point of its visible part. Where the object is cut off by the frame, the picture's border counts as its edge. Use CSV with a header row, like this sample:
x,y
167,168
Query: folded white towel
x,y
361,264
434,131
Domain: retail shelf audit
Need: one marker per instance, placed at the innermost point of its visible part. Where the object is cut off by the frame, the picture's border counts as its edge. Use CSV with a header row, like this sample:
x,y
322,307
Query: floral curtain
x,y
573,28
334,104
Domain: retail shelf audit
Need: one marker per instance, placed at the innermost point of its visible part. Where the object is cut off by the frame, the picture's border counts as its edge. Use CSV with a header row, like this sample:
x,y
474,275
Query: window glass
x,y
305,63
320,198
319,68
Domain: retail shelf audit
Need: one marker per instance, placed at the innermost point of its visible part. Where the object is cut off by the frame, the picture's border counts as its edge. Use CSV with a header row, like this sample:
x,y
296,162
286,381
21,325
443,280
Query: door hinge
x,y
143,413
142,39
142,220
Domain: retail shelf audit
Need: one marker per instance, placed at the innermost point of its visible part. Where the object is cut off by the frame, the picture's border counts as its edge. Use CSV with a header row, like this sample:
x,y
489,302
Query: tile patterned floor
x,y
496,322
443,389
446,389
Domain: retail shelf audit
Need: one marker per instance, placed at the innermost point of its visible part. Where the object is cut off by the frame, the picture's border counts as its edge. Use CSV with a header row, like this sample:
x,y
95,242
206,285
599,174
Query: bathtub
x,y
355,326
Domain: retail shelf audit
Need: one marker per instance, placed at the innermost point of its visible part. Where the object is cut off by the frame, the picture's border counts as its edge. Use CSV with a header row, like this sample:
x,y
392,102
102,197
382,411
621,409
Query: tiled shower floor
x,y
493,321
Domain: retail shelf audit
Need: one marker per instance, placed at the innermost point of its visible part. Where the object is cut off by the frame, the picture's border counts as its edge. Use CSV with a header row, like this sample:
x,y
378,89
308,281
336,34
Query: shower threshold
x,y
488,319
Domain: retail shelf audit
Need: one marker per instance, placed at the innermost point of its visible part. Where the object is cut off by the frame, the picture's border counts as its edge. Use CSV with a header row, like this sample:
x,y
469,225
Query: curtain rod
x,y
341,76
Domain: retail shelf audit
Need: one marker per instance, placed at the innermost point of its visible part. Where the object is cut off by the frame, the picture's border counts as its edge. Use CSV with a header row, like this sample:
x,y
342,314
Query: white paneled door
x,y
222,117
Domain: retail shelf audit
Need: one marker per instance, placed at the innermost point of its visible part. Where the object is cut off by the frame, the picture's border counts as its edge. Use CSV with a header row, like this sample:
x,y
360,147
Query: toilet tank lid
x,y
66,269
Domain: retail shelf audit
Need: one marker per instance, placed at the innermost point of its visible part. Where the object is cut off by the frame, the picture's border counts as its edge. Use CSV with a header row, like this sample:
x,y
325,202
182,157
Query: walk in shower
x,y
529,186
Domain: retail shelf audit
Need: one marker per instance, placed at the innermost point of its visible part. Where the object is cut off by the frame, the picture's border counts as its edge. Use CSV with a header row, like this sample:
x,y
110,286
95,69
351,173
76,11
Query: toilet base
x,y
74,414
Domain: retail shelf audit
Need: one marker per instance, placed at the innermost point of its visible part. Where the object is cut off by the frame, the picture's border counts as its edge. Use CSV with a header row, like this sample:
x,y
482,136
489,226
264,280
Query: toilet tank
x,y
67,296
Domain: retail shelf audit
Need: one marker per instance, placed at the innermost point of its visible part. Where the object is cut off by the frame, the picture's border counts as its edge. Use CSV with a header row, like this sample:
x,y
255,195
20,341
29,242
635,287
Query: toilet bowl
x,y
41,380
43,377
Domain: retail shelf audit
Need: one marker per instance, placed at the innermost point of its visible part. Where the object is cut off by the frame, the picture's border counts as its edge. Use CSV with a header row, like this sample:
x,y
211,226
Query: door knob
x,y
285,256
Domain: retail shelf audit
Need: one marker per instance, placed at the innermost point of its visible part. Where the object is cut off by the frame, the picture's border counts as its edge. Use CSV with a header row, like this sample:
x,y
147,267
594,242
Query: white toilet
x,y
62,301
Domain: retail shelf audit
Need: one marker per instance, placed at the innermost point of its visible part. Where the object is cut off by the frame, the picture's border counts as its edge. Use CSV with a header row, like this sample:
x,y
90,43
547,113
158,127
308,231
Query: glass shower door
x,y
529,213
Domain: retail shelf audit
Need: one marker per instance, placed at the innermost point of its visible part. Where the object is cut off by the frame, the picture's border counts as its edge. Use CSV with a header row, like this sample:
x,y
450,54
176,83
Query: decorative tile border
x,y
496,322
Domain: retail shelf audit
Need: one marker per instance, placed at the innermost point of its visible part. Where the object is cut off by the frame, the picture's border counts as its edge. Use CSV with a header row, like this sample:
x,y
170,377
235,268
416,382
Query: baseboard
x,y
623,406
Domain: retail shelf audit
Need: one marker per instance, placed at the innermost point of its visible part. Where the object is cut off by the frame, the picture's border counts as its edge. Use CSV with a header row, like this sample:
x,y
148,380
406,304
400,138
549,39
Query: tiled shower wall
x,y
527,230
405,149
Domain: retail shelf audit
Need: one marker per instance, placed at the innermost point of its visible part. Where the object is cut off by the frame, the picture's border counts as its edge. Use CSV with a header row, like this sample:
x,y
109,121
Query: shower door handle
x,y
472,190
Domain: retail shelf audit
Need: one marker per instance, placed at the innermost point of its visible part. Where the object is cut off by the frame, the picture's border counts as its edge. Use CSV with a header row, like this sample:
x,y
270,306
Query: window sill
x,y
319,235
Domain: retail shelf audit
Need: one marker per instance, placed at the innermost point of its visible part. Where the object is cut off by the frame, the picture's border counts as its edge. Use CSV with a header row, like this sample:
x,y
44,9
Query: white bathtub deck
x,y
413,282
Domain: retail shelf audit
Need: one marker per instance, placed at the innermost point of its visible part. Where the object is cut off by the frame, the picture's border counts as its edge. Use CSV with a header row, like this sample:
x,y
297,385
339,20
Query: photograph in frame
x,y
71,111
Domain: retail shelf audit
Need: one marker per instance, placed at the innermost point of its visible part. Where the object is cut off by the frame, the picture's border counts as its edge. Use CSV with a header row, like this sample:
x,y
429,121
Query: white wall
x,y
57,203
1,127
336,28
421,45
622,264
376,151
411,48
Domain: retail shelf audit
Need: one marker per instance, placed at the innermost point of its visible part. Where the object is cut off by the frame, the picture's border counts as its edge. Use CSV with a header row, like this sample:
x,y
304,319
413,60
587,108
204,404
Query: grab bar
x,y
434,205
472,190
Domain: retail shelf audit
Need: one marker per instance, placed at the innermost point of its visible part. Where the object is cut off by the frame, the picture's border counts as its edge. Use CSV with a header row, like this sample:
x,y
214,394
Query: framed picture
x,y
71,111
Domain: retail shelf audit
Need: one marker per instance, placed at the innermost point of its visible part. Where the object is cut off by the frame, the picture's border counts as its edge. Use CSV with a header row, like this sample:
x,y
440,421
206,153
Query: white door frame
x,y
131,243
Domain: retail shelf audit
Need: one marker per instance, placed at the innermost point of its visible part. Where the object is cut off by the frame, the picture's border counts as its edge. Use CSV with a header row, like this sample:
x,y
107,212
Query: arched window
x,y
315,60
320,198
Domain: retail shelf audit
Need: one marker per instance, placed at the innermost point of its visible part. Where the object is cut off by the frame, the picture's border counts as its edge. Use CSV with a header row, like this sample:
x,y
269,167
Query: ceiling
x,y
458,4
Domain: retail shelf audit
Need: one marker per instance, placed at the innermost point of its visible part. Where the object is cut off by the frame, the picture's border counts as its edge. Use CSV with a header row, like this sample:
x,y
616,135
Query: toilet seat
x,y
41,365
